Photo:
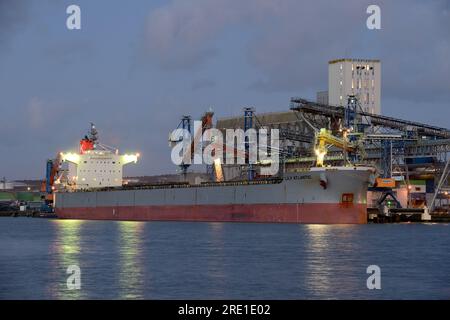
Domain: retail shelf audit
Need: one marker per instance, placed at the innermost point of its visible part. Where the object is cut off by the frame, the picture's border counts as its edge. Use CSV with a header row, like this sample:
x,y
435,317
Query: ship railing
x,y
185,185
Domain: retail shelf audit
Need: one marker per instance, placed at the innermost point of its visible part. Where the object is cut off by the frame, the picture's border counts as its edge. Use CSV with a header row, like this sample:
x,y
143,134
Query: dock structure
x,y
400,215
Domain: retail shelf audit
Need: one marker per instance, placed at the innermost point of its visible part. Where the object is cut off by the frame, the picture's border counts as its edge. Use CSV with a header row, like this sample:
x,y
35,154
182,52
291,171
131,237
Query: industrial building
x,y
18,196
354,77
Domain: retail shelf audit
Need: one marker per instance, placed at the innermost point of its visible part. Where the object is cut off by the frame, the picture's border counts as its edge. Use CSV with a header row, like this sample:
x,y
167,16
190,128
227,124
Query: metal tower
x,y
248,124
186,126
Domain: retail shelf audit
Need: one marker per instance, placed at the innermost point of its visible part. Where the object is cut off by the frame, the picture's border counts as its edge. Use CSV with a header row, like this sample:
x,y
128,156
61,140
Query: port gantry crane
x,y
195,143
186,125
216,170
382,136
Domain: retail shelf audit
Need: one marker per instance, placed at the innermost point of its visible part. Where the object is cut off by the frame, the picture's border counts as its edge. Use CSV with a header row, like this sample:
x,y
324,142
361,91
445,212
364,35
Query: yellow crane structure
x,y
324,138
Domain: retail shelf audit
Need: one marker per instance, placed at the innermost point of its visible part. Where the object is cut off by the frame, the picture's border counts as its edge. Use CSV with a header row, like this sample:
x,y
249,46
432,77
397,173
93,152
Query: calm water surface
x,y
175,260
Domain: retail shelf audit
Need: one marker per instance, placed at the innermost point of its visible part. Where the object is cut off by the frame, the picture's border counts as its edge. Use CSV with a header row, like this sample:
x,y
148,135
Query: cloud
x,y
292,52
183,33
415,49
203,84
259,50
13,16
413,45
43,113
292,40
35,113
69,52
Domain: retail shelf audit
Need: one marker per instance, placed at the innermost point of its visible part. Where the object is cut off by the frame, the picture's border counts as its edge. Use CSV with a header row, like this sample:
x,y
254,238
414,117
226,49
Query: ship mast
x,y
93,135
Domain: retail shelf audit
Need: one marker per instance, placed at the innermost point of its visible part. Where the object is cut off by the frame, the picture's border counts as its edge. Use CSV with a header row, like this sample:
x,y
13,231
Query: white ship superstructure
x,y
95,165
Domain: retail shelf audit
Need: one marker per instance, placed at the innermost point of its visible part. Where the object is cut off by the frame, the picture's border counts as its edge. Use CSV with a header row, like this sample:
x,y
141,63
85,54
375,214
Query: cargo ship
x,y
296,198
322,195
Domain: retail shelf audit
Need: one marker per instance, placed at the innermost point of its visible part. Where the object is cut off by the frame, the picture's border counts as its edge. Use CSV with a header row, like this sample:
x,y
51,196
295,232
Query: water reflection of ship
x,y
131,278
66,252
216,274
326,264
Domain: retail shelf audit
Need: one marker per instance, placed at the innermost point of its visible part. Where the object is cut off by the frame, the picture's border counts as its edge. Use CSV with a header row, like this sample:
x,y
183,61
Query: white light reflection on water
x,y
331,269
131,284
215,272
66,251
318,272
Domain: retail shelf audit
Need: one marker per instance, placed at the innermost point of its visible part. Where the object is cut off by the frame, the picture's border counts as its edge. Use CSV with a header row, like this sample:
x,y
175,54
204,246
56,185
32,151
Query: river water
x,y
181,260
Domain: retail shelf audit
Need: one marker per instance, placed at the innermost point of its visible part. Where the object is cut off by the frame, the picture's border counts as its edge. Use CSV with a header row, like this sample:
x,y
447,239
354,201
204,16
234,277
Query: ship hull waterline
x,y
316,213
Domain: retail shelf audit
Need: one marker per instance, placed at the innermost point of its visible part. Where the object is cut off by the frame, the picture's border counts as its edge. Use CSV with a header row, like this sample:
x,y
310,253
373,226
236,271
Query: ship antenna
x,y
93,134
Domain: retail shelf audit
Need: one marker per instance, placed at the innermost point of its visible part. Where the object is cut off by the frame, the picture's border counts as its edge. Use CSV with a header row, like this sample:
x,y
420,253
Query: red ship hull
x,y
320,213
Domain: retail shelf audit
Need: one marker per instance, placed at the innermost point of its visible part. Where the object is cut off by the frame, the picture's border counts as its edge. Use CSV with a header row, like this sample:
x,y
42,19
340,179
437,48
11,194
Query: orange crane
x,y
52,171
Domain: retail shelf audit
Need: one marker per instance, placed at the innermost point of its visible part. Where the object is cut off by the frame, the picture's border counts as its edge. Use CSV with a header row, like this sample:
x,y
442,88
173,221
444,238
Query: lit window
x,y
353,67
353,84
341,66
340,82
340,97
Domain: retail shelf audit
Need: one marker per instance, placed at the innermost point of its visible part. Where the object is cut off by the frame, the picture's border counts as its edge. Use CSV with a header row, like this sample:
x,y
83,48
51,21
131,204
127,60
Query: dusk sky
x,y
136,67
